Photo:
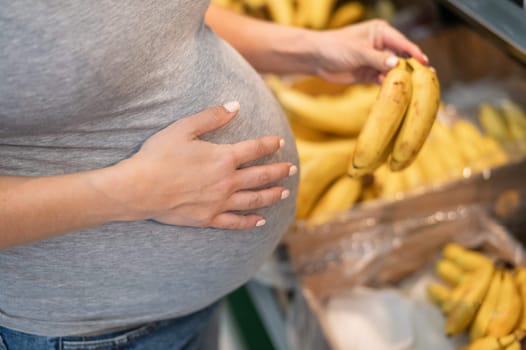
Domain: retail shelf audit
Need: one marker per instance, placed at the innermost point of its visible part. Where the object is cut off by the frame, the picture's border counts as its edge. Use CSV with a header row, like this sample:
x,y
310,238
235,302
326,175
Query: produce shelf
x,y
503,20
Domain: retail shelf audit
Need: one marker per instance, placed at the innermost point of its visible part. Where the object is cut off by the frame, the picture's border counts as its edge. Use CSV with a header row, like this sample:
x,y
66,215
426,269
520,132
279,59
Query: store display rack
x,y
503,20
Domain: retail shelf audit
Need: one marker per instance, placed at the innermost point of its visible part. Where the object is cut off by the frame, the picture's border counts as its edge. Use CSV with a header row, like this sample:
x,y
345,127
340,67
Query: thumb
x,y
210,119
382,61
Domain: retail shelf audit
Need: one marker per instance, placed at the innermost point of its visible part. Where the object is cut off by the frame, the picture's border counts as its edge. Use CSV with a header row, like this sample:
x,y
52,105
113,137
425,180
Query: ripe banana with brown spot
x,y
419,117
384,120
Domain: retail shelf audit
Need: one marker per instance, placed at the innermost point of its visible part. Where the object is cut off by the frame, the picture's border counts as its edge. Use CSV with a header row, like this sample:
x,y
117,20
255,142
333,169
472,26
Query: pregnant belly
x,y
156,270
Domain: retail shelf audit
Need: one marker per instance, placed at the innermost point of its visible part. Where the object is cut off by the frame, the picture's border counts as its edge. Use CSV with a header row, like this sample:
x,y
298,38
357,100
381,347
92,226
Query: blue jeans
x,y
184,333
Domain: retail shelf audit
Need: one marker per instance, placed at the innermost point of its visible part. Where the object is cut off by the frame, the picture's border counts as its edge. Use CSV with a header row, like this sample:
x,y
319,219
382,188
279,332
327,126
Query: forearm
x,y
36,208
269,47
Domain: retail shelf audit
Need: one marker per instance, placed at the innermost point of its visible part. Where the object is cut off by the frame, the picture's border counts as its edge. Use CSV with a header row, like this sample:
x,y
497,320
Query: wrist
x,y
118,188
296,50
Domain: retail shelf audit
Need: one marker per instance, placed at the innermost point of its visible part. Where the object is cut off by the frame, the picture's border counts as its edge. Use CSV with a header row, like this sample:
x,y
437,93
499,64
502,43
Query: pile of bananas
x,y
505,123
482,297
327,120
316,14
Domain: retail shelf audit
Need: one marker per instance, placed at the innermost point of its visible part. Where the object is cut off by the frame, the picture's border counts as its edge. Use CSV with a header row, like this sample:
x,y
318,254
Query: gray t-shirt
x,y
82,85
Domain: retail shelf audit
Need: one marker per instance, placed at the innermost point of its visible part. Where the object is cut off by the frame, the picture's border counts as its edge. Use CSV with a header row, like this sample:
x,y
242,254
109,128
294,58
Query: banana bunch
x,y
481,297
506,124
316,14
400,119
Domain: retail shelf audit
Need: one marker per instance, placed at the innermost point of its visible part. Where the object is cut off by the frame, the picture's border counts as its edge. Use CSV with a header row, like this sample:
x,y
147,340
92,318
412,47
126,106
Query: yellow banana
x,y
414,177
311,149
340,196
480,325
344,114
315,86
255,4
447,149
469,140
346,14
516,345
521,283
467,304
419,117
492,122
319,12
516,119
301,15
303,132
508,310
391,185
449,272
368,194
496,343
438,293
466,259
493,152
281,11
384,119
316,174
432,165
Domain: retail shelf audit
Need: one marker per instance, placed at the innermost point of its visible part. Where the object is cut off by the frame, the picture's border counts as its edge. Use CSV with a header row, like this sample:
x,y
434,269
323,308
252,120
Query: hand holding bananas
x,y
400,119
361,52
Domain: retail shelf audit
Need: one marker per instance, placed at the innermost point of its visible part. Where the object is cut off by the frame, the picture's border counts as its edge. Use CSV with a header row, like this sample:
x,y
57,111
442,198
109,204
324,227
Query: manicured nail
x,y
231,106
285,194
261,223
391,61
426,58
281,143
293,170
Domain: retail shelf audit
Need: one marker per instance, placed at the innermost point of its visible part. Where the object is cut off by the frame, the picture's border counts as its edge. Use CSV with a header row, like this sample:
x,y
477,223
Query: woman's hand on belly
x,y
176,178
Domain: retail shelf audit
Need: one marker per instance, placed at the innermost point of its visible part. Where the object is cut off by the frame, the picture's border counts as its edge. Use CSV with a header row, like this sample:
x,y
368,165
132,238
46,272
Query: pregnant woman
x,y
145,169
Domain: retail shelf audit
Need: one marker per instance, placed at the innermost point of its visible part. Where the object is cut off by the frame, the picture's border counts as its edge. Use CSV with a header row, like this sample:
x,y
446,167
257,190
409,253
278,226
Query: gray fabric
x,y
82,85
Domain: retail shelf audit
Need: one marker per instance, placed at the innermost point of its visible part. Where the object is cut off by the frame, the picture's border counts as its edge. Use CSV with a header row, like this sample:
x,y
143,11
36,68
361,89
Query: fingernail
x,y
260,223
426,58
285,194
281,143
391,61
293,170
231,106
